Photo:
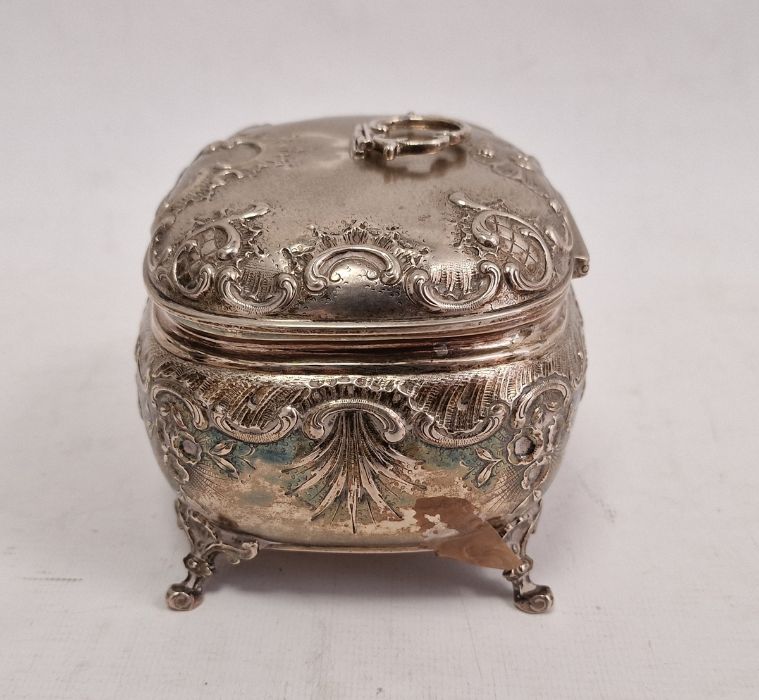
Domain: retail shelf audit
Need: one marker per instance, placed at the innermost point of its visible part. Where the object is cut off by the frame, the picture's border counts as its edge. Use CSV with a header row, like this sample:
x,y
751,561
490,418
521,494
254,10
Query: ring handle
x,y
412,134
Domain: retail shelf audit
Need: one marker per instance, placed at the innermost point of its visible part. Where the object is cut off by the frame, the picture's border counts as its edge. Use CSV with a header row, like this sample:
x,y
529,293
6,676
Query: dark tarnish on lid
x,y
328,225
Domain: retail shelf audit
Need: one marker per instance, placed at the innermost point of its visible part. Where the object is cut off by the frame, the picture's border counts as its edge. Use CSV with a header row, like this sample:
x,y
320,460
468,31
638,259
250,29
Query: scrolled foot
x,y
536,601
528,596
181,597
208,541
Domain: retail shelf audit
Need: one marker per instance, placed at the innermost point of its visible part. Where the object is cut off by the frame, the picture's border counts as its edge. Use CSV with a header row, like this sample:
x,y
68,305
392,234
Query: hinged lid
x,y
346,222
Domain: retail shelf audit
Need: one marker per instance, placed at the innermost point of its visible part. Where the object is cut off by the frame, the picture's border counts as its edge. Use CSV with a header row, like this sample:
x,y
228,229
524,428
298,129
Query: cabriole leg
x,y
528,596
207,542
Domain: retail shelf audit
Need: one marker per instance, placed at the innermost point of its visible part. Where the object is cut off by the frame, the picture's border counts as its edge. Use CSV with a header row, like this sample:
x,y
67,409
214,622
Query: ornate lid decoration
x,y
341,221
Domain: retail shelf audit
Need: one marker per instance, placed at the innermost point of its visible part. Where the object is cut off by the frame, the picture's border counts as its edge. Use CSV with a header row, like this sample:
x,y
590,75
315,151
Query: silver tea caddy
x,y
361,336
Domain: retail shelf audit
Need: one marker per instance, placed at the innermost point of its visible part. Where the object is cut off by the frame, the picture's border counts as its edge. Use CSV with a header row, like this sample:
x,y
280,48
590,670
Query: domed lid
x,y
352,223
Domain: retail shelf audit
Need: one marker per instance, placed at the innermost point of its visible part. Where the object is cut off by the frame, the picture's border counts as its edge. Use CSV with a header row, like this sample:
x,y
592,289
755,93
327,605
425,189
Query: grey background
x,y
643,114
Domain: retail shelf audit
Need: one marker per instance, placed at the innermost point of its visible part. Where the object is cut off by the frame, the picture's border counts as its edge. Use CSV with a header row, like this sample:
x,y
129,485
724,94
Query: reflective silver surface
x,y
361,336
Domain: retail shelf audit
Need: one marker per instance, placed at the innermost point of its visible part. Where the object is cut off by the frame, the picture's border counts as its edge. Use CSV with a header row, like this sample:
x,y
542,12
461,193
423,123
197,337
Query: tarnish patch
x,y
452,528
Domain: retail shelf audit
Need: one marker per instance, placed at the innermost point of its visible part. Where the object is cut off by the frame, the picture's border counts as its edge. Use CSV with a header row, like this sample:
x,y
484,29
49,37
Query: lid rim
x,y
442,326
367,354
